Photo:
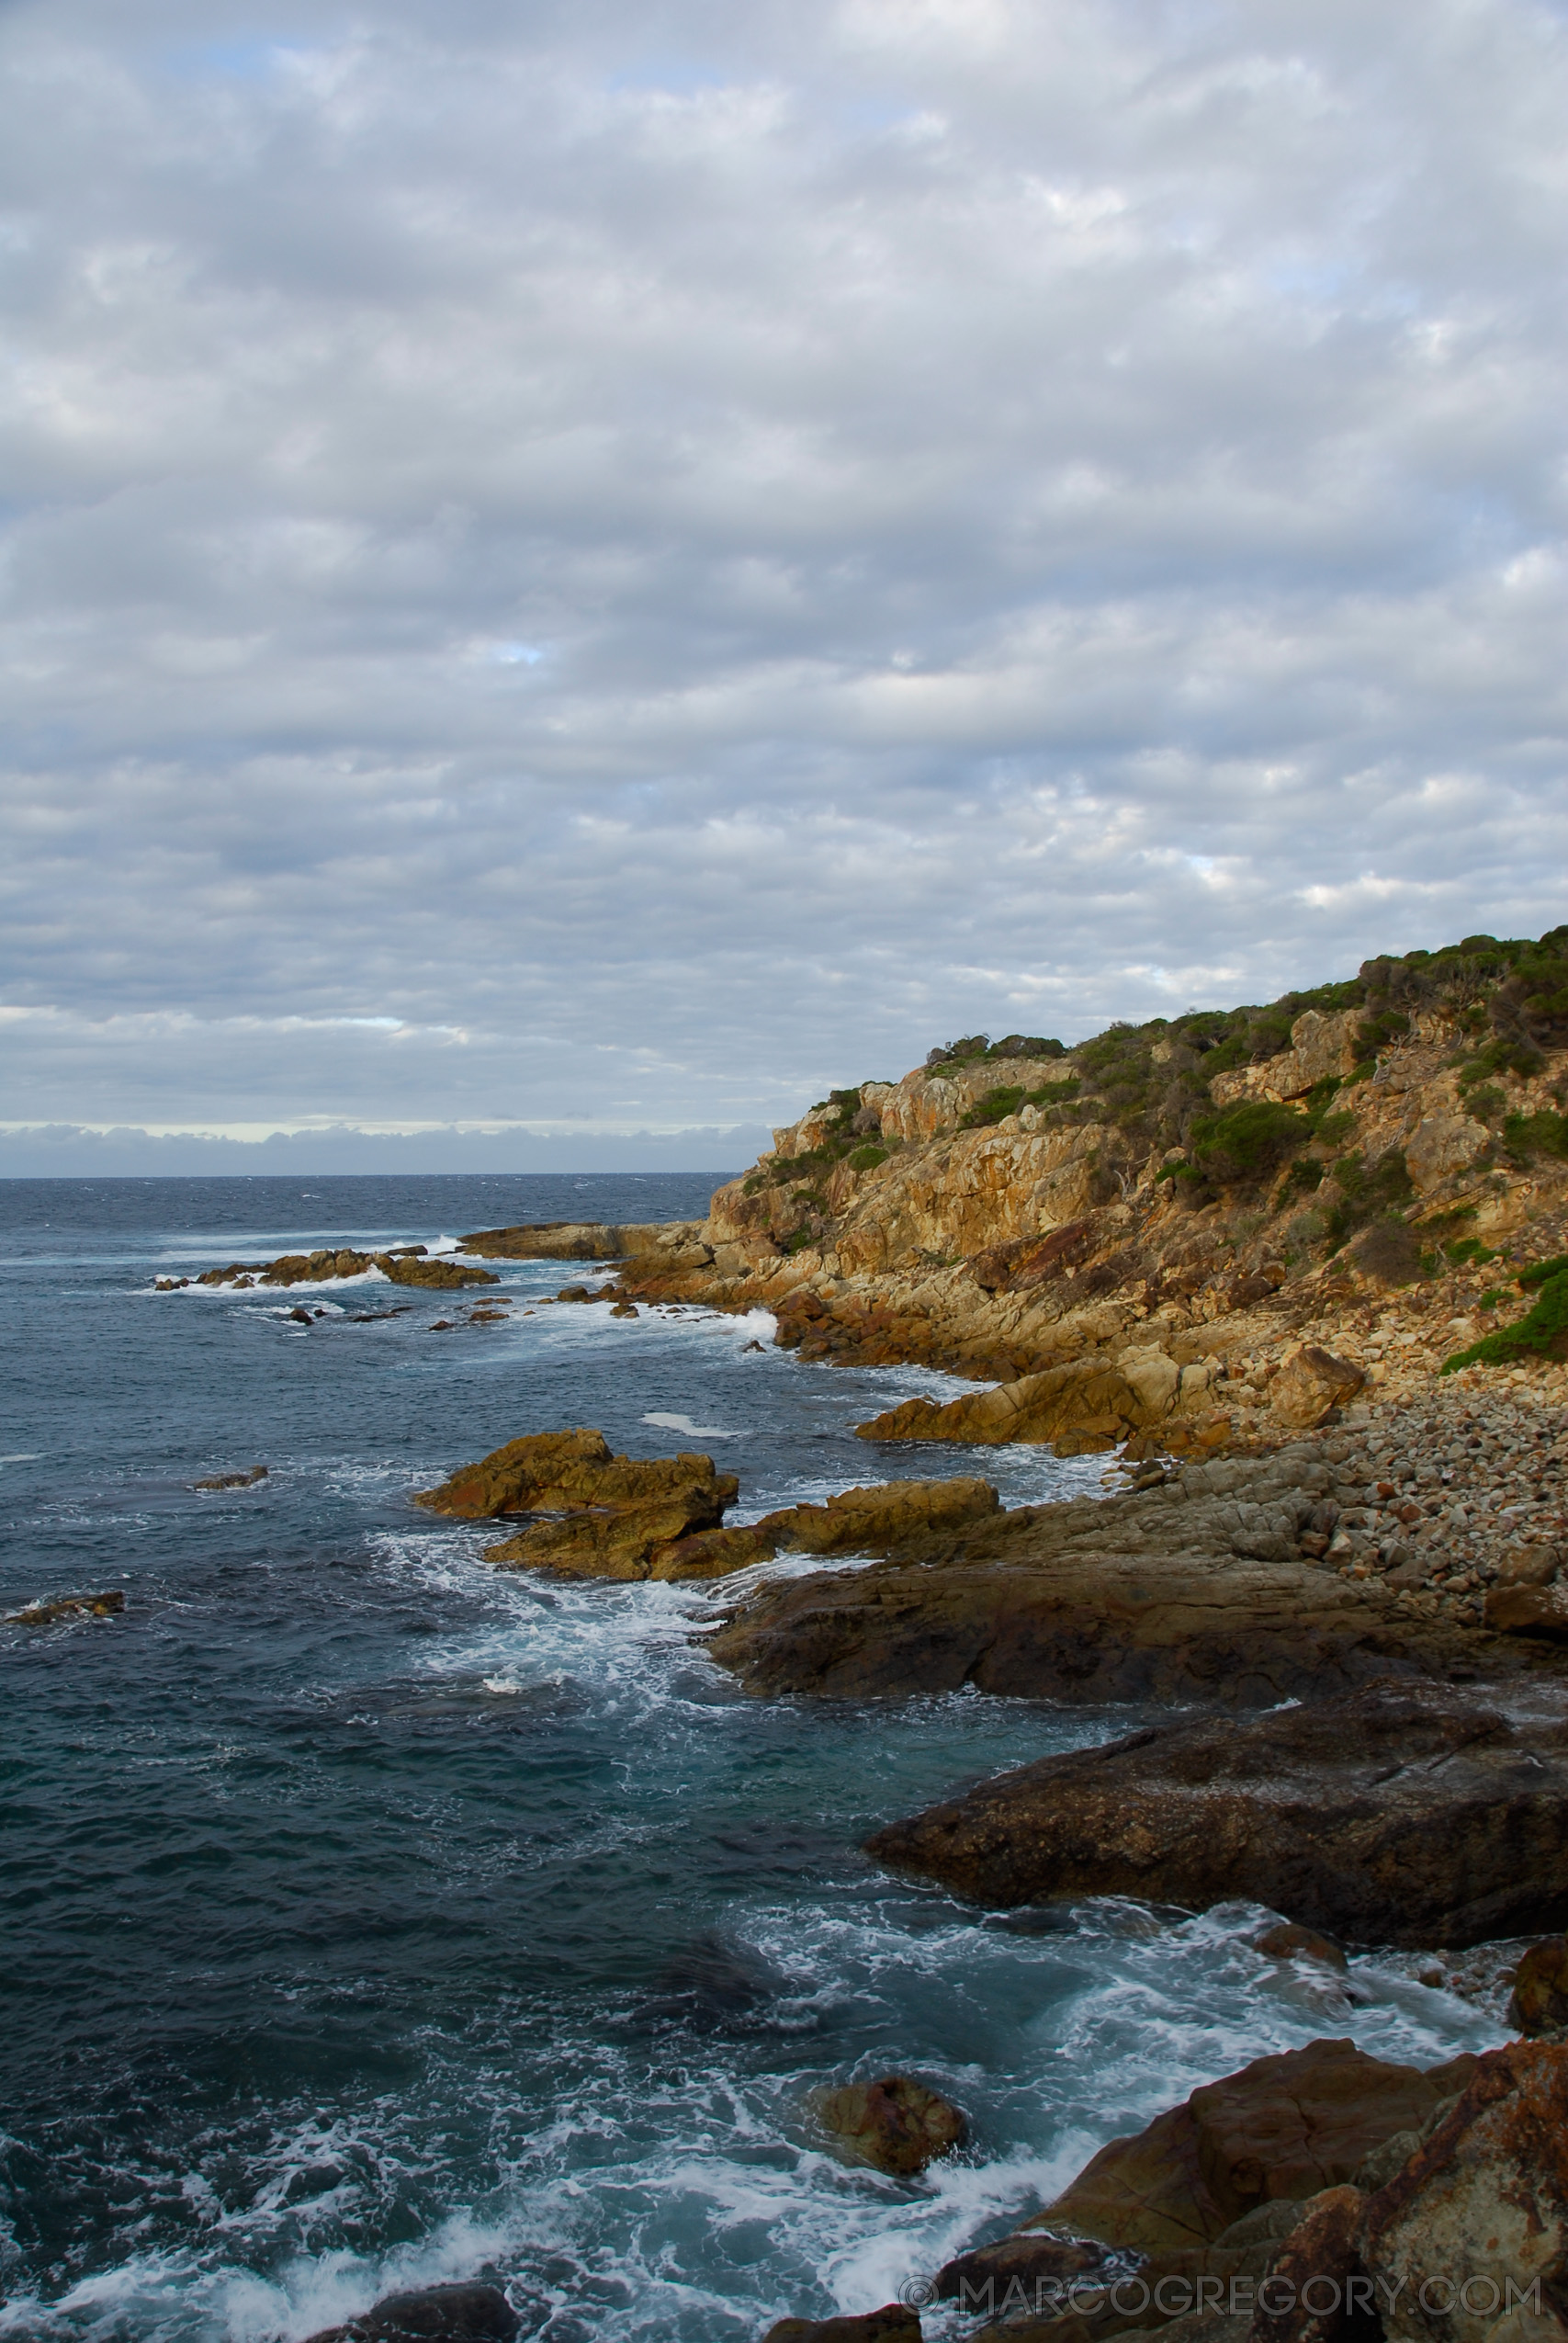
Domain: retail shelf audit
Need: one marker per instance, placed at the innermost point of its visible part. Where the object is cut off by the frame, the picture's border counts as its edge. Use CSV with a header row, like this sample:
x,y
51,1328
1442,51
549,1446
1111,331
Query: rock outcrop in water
x,y
461,2314
1404,1815
63,1608
409,1267
895,2123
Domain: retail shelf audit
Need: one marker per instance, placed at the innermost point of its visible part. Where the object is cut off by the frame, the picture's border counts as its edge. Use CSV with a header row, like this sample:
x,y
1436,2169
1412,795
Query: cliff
x,y
1367,1167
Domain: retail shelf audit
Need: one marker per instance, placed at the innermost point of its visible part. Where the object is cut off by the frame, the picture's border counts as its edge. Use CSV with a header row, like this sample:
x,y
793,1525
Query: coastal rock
x,y
889,1513
1191,1589
232,1480
1403,1814
1307,2301
1529,1611
1539,2004
896,2124
669,1245
980,2280
108,1605
616,1541
1483,2200
1287,1940
1084,1398
1312,1382
549,1472
1284,2127
405,1266
892,2324
711,1554
431,2315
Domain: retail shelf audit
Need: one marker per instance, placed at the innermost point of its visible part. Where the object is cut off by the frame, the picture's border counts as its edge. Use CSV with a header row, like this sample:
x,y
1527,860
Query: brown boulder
x,y
889,1513
1043,2266
892,2324
1085,1398
896,2124
711,1554
615,1541
1538,2003
1529,1611
550,1472
406,1269
1311,1383
1481,2204
1402,1814
108,1605
1284,2127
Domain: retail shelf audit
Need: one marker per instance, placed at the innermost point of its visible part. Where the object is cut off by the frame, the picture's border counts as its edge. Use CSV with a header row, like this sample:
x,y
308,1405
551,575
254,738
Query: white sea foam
x,y
693,1431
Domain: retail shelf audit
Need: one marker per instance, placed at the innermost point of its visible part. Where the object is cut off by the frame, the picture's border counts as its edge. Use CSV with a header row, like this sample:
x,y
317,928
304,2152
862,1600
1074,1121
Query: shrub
x,y
1542,1134
1389,1251
866,1158
1367,1191
1248,1140
1543,1333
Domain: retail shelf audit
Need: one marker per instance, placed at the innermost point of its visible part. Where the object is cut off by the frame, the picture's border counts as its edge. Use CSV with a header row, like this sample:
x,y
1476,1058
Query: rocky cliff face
x,y
1367,1170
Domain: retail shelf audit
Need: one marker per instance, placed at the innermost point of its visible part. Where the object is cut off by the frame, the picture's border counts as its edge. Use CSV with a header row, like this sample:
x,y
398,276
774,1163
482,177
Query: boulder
x,y
431,2315
889,1514
1287,1940
615,1541
1086,1396
1034,2260
892,2324
1529,1611
1441,1145
1283,2127
406,1269
1539,2004
549,1471
1481,2204
1311,1383
232,1480
711,1554
1401,1813
896,2124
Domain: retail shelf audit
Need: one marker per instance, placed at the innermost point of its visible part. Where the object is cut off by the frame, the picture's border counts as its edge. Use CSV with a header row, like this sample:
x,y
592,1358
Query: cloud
x,y
617,566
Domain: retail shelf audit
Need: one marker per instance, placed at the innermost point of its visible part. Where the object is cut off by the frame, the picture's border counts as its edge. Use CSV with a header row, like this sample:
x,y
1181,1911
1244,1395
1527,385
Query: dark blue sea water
x,y
372,1919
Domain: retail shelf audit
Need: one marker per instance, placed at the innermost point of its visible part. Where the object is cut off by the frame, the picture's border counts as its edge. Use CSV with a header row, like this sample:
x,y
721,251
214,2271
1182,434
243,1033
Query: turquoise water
x,y
372,1919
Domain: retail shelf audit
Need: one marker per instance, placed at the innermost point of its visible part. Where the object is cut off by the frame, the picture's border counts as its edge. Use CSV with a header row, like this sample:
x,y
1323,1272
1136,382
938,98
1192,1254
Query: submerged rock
x,y
232,1480
896,2124
431,2315
1406,1815
108,1605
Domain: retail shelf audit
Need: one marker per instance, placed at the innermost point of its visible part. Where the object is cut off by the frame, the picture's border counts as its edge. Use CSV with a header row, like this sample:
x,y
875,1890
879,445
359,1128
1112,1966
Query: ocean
x,y
373,1917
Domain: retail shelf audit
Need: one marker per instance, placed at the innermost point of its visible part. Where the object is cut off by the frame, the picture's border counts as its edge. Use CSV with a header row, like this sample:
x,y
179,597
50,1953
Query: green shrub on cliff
x,y
1247,1141
1543,1333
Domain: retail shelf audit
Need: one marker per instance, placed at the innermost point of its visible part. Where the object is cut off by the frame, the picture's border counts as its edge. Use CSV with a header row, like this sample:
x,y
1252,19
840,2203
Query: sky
x,y
571,568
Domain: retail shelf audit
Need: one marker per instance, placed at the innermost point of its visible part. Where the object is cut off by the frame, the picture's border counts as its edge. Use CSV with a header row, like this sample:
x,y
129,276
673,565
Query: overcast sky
x,y
612,564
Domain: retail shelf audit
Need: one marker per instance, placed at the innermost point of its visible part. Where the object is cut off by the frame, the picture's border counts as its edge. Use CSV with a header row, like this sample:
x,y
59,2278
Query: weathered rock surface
x,y
1402,1814
1483,2200
1284,2127
1193,1588
1530,1611
615,1541
547,1472
895,2123
1311,1383
1085,1399
1539,2004
108,1605
671,1245
892,2324
408,1267
431,2315
980,2280
889,1513
1307,2301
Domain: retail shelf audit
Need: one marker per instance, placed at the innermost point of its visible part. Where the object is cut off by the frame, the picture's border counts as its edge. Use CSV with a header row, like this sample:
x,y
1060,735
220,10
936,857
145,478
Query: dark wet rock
x,y
300,1316
892,2324
574,1294
1539,2004
895,2123
712,1985
232,1480
1284,2127
1484,2197
1310,2299
980,2280
1404,1815
463,2313
170,1284
108,1605
1184,1590
626,1310
374,1318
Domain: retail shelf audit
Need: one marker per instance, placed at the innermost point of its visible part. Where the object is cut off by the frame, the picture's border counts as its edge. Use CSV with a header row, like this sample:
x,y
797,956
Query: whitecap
x,y
693,1431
